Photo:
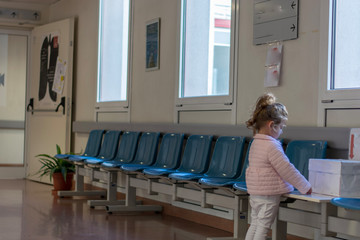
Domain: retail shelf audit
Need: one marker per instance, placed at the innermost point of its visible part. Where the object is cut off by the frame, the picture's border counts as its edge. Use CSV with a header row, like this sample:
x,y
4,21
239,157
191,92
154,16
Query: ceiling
x,y
42,2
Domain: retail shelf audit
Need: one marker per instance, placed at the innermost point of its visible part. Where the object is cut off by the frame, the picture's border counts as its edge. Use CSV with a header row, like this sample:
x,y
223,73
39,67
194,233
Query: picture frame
x,y
152,45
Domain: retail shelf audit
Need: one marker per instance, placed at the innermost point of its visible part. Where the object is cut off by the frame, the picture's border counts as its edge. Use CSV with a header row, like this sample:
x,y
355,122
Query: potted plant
x,y
60,170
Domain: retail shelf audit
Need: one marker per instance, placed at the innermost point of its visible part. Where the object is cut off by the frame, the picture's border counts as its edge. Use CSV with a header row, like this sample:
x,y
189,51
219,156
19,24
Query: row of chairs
x,y
171,164
136,152
141,155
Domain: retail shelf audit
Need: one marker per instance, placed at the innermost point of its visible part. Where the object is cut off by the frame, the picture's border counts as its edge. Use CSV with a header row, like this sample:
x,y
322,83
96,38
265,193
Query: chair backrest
x,y
245,165
127,148
300,151
147,148
227,157
110,144
170,151
196,154
94,143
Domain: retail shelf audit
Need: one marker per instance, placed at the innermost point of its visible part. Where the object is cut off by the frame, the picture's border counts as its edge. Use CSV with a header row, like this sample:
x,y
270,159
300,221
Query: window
x,y
340,56
206,47
339,71
345,45
113,69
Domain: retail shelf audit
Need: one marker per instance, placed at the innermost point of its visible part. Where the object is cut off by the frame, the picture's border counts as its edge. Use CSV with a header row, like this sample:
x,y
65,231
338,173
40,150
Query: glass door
x,y
13,75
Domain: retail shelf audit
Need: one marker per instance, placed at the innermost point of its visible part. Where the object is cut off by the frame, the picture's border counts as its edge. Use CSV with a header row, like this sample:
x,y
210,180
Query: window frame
x,y
116,106
330,98
208,102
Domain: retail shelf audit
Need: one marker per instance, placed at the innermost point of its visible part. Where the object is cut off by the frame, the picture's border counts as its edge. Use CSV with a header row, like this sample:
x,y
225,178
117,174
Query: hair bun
x,y
265,100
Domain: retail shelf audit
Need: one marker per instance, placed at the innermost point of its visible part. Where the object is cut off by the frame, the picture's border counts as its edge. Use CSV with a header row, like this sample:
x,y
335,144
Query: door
x,y
13,74
49,95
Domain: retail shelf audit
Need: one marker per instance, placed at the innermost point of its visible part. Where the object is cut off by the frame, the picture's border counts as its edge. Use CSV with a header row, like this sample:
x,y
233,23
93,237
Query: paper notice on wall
x,y
59,77
274,54
354,144
273,65
272,75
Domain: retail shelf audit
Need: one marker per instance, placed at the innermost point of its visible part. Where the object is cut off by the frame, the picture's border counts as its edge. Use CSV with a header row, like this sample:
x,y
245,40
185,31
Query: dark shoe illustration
x,y
54,51
43,68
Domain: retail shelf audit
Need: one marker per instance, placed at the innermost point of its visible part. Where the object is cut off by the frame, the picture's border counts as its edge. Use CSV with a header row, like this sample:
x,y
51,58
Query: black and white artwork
x,y
48,56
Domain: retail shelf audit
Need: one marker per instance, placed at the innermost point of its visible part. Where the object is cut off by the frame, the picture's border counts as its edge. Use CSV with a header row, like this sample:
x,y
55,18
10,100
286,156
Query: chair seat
x,y
95,161
186,176
217,182
348,203
62,156
240,186
78,158
112,164
133,167
158,171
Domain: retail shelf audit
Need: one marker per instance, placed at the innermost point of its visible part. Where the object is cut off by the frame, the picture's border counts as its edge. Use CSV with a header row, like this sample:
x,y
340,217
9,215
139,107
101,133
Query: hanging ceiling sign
x,y
275,20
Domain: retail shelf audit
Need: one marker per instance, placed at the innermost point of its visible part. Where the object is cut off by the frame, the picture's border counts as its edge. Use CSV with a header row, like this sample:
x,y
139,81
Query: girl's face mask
x,y
277,129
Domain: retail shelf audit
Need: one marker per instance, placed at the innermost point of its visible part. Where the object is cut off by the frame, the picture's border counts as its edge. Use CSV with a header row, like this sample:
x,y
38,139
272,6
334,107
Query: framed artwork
x,y
153,44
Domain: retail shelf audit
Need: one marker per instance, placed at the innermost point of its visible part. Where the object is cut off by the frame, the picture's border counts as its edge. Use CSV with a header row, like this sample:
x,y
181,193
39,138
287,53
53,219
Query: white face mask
x,y
278,129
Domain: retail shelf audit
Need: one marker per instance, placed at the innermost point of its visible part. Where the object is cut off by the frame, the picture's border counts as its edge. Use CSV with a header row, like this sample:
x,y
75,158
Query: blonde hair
x,y
266,109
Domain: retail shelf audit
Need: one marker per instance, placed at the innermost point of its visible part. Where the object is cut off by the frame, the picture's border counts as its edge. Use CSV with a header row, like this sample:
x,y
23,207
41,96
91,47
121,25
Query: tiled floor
x,y
29,211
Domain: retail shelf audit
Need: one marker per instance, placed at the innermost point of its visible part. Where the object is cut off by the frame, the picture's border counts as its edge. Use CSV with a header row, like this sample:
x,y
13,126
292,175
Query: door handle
x,y
30,107
62,103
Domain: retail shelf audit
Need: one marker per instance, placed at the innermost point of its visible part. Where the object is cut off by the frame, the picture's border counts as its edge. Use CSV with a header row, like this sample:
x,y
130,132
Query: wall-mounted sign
x,y
275,20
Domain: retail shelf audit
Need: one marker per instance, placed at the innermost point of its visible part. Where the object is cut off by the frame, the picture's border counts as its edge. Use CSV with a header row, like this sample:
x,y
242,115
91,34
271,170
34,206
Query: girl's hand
x,y
309,192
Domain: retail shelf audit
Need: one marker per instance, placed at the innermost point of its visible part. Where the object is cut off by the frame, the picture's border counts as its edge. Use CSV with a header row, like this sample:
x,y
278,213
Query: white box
x,y
335,177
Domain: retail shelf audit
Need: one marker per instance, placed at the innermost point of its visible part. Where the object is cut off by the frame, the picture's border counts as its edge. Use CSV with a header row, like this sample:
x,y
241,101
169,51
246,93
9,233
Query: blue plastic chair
x,y
300,151
229,182
195,158
146,149
126,150
92,146
107,151
168,156
225,160
348,203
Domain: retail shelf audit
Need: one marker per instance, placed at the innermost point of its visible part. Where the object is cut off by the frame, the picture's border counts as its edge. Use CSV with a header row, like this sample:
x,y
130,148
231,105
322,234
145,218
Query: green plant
x,y
51,164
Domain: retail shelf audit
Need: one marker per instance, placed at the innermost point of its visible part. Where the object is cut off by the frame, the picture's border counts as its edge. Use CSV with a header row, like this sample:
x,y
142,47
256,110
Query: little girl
x,y
270,174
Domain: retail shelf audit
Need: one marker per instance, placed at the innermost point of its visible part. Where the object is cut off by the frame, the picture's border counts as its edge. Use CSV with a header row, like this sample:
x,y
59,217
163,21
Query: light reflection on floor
x,y
29,211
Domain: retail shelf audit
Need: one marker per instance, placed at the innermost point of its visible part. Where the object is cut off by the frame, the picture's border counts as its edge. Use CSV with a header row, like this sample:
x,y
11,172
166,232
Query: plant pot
x,y
60,184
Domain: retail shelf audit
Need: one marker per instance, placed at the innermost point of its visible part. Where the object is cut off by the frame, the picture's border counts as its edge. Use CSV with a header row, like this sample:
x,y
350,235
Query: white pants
x,y
264,210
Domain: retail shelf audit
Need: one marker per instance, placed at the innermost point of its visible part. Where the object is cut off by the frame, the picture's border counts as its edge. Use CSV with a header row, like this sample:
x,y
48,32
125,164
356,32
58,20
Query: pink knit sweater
x,y
269,171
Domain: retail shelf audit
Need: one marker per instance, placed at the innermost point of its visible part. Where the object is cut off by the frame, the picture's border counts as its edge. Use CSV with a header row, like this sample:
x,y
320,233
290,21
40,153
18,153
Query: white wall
x,y
152,93
299,79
